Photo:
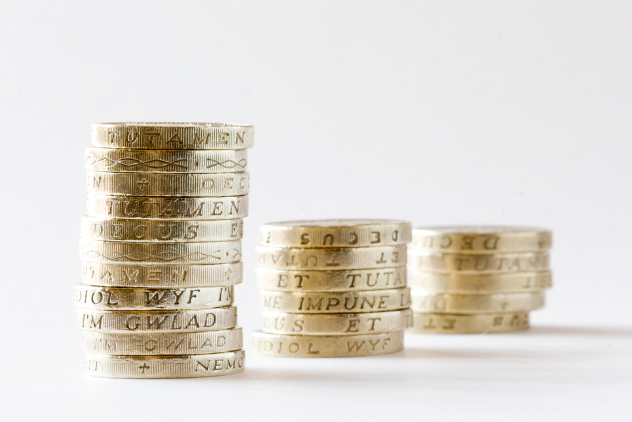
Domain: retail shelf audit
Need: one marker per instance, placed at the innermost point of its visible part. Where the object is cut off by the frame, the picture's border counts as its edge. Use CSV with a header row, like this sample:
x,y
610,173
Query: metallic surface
x,y
161,249
336,324
184,366
338,280
330,259
336,302
278,345
157,276
489,263
157,321
476,303
335,233
430,323
480,283
118,160
481,239
214,208
163,343
134,230
167,135
160,253
168,184
124,298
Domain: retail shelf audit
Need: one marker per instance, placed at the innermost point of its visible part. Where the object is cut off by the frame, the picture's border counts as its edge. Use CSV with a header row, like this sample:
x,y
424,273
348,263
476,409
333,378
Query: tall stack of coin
x,y
468,280
333,288
161,249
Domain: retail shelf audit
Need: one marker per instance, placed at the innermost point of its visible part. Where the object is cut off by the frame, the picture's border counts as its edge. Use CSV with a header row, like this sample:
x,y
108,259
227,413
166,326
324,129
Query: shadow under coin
x,y
580,331
298,375
450,354
289,375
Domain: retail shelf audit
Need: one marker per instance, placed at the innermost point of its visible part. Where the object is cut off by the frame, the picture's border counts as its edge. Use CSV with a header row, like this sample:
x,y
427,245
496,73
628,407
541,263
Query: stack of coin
x,y
469,280
333,288
161,249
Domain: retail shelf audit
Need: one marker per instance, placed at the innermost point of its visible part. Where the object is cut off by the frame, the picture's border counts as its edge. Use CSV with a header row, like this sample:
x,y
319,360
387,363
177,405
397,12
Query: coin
x,y
336,302
335,233
279,345
173,135
160,253
491,263
134,230
479,303
337,280
225,208
160,321
336,324
157,276
481,283
147,161
330,259
163,343
187,366
168,184
469,324
483,239
125,298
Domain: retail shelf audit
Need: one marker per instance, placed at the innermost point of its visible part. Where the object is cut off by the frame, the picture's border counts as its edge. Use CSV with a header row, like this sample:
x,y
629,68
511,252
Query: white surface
x,y
489,112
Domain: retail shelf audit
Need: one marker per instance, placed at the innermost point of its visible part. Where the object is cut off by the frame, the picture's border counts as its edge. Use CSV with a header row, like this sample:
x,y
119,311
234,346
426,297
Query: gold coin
x,y
279,345
159,276
125,298
173,135
335,233
163,343
430,323
476,303
123,160
336,302
168,184
481,283
338,280
330,259
134,230
157,321
336,324
186,366
225,208
488,240
160,253
499,263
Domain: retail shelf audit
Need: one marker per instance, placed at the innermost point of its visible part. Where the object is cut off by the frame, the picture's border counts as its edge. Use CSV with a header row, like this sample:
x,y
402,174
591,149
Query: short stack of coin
x,y
333,288
475,280
161,249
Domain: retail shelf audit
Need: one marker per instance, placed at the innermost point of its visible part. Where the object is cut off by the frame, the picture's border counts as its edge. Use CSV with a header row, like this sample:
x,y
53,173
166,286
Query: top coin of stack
x,y
333,288
477,279
161,249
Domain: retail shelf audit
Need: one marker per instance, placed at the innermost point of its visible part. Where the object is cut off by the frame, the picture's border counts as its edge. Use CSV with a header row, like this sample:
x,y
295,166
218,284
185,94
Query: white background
x,y
440,112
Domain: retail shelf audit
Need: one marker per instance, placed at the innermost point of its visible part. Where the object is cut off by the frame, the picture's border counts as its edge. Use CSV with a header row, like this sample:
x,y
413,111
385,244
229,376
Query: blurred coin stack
x,y
161,249
333,288
469,280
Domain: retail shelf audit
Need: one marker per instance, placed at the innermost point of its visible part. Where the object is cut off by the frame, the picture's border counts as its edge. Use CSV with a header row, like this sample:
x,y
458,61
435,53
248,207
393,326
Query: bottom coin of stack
x,y
476,280
323,298
189,332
